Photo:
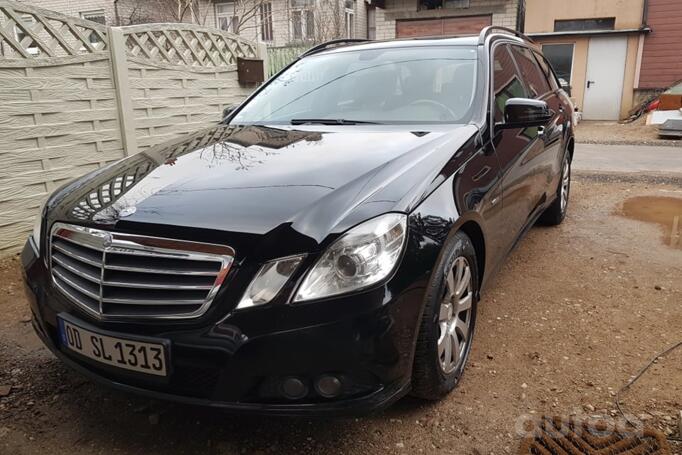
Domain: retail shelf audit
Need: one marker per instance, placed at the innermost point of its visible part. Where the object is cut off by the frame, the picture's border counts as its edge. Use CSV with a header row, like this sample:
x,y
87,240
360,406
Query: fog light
x,y
293,388
328,386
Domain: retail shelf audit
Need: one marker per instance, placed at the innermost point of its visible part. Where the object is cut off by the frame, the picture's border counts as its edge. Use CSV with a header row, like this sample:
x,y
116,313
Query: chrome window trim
x,y
134,244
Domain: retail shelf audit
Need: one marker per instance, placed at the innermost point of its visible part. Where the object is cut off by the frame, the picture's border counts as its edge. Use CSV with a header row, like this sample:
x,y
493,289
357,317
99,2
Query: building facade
x,y
274,22
595,46
389,19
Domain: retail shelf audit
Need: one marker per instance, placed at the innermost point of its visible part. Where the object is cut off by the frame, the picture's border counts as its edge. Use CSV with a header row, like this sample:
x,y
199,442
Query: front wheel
x,y
555,213
448,322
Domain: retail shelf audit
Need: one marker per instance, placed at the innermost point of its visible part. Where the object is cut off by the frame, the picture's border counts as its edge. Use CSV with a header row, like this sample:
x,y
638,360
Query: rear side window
x,y
506,80
535,80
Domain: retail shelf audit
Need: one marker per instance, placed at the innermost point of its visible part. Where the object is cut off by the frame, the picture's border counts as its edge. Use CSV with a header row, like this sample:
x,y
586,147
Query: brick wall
x,y
360,19
128,11
146,11
503,13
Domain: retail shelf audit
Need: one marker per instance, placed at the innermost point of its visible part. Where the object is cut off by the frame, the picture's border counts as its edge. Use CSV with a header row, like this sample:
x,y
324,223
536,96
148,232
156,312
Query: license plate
x,y
143,357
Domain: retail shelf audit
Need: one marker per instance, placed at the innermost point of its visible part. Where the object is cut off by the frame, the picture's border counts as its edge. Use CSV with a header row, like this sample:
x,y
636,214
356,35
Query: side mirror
x,y
566,87
229,110
525,113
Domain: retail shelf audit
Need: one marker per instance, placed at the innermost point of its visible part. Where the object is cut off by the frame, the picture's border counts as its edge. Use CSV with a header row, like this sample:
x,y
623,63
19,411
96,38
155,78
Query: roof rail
x,y
493,28
332,43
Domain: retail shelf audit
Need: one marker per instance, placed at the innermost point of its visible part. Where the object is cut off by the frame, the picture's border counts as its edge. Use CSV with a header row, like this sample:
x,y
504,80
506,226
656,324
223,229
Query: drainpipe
x,y
521,15
116,15
640,43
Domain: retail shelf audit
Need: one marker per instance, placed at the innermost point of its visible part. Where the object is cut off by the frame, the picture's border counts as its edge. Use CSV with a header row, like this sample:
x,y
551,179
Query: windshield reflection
x,y
426,84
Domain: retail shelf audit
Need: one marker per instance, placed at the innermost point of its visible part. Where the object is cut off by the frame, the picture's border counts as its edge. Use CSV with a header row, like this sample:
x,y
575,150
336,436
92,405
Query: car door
x,y
514,147
559,102
550,135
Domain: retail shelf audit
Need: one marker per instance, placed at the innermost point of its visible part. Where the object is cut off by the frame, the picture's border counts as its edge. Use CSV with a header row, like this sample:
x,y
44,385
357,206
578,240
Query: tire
x,y
555,213
433,376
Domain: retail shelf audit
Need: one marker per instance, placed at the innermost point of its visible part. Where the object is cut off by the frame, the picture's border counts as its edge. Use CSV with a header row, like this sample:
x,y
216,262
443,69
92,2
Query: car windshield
x,y
388,86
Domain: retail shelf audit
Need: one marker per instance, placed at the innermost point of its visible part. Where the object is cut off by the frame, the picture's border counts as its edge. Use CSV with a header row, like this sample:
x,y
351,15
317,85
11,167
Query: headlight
x,y
269,281
362,257
38,225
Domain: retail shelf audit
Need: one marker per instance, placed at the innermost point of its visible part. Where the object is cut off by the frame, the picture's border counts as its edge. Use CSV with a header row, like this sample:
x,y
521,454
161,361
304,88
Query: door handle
x,y
590,83
481,174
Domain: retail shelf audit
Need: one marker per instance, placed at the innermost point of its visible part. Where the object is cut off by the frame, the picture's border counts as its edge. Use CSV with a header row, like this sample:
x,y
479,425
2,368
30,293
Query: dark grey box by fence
x,y
250,70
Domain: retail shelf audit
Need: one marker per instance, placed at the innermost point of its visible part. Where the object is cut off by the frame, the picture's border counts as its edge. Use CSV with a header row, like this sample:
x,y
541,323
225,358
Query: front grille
x,y
114,275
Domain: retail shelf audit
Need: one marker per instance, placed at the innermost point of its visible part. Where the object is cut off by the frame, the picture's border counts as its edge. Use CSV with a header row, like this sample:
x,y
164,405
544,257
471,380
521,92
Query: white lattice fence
x,y
28,32
187,45
179,78
75,95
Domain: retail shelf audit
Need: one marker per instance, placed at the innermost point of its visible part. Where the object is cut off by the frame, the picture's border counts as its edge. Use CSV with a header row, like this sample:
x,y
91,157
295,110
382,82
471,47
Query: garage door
x,y
442,26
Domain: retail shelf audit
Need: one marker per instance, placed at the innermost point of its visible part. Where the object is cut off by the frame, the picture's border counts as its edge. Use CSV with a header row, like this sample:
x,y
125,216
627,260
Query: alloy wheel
x,y
565,184
454,320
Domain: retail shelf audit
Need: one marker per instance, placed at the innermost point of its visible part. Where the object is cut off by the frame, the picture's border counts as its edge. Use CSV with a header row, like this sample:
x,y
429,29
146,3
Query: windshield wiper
x,y
329,121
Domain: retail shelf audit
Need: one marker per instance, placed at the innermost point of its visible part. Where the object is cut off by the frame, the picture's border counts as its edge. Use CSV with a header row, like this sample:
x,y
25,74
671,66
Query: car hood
x,y
254,179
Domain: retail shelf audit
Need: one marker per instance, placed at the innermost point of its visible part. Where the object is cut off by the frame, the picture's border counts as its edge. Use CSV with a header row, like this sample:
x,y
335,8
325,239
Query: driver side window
x,y
506,80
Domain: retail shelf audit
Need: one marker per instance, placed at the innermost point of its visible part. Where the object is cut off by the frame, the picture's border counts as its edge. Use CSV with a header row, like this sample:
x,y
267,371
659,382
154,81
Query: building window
x,y
302,20
297,25
349,18
371,23
560,56
438,4
28,22
309,24
227,17
454,4
266,30
583,25
94,16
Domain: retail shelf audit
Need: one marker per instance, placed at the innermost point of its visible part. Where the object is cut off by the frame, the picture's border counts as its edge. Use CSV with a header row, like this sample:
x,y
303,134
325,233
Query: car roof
x,y
356,45
403,43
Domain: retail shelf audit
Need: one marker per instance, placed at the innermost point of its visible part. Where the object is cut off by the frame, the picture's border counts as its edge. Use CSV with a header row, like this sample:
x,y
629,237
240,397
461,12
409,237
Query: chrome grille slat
x,y
152,302
160,271
132,252
184,265
73,268
79,239
75,285
77,256
122,284
92,305
114,275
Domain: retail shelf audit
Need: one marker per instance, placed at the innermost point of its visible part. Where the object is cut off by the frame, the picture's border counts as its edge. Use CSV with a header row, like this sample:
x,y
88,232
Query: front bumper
x,y
236,364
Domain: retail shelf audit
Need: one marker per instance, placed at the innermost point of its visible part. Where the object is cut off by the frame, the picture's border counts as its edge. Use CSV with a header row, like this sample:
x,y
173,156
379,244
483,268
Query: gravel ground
x,y
635,133
573,314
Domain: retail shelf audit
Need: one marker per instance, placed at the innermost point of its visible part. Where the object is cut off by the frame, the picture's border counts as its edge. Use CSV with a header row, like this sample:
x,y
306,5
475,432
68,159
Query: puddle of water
x,y
664,211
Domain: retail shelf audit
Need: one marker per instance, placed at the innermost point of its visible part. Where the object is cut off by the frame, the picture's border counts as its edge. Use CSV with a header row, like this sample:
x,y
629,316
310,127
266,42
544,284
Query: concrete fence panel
x,y
76,95
180,77
58,110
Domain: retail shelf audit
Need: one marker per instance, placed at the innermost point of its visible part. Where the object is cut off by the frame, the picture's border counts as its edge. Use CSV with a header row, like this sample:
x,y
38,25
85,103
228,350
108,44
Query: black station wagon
x,y
321,250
